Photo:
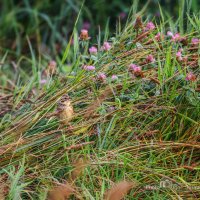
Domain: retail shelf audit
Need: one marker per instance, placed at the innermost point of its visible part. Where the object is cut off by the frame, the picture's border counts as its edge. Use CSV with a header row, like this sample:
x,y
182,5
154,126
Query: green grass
x,y
151,135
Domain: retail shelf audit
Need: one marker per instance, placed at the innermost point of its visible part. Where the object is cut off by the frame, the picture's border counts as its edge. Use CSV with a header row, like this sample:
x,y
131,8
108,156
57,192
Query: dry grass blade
x,y
95,104
79,146
61,192
119,190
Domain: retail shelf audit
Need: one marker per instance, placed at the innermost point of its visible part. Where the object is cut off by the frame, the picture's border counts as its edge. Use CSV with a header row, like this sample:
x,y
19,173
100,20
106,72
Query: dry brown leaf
x,y
79,167
119,190
61,192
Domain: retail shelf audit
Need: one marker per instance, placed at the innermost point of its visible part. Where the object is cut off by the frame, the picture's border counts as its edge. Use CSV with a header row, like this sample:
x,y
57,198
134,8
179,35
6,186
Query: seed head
x,y
138,23
84,35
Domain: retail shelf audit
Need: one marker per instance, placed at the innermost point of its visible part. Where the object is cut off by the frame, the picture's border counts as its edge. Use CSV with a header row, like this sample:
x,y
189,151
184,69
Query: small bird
x,y
65,110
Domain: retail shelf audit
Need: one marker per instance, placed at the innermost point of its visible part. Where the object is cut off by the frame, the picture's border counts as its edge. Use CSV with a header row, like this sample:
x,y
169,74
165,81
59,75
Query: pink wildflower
x,y
114,77
190,77
137,69
159,36
101,76
195,41
150,59
170,34
86,25
84,35
176,37
43,81
180,49
84,31
179,56
89,67
133,66
93,50
106,46
150,26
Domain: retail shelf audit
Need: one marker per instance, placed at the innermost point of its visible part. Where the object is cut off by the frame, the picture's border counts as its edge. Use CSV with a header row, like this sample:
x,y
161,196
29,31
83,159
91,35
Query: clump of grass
x,y
141,126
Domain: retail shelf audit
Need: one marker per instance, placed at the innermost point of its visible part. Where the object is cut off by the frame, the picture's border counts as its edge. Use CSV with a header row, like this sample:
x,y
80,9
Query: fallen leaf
x,y
61,192
79,167
119,190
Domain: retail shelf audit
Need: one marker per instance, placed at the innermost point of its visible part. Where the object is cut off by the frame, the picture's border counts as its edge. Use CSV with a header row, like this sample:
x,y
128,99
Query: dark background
x,y
50,22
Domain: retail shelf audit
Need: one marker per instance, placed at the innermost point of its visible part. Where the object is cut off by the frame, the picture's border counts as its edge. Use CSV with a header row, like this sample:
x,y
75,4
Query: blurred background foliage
x,y
48,24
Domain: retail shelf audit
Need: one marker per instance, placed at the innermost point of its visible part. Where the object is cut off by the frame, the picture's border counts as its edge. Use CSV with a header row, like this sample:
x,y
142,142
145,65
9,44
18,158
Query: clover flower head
x,y
93,50
158,36
84,31
179,56
137,69
170,34
150,26
150,59
106,46
176,37
133,66
89,67
84,34
101,76
195,41
114,77
190,77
